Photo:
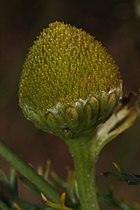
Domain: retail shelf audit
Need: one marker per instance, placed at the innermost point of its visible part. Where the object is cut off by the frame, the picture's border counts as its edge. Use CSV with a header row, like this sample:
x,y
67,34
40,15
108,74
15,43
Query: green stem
x,y
27,171
83,154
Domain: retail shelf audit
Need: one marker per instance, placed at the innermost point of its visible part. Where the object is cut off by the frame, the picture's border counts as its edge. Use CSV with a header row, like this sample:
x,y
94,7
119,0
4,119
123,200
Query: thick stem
x,y
28,172
83,154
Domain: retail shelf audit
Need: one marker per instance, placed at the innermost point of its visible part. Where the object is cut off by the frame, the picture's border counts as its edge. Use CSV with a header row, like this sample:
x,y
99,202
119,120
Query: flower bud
x,y
69,83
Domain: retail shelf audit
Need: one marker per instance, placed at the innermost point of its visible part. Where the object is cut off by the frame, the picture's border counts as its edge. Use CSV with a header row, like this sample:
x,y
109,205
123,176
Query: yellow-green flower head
x,y
69,83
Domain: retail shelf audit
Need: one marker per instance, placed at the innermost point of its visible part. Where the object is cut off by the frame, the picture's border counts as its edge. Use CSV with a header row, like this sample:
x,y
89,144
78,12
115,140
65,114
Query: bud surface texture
x,y
69,82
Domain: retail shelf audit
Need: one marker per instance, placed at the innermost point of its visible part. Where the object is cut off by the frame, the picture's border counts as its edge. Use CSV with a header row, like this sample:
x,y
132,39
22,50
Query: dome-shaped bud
x,y
69,83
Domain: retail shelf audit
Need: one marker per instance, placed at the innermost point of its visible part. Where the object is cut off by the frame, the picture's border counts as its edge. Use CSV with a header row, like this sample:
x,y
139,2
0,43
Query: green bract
x,y
69,83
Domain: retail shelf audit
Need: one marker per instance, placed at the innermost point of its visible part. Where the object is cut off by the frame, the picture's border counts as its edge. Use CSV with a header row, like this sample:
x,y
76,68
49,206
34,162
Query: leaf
x,y
123,176
58,206
110,199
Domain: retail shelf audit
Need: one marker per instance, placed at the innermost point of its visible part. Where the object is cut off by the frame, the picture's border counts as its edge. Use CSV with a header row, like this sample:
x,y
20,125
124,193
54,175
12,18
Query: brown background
x,y
111,21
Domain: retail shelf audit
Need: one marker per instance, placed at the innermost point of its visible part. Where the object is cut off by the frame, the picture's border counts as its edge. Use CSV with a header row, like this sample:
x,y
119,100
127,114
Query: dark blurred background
x,y
116,23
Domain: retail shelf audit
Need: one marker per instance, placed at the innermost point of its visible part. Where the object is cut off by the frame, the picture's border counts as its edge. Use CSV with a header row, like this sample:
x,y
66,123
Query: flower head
x,y
69,83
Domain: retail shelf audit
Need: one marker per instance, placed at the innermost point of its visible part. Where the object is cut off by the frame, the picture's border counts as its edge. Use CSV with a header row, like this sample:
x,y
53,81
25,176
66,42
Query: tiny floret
x,y
69,83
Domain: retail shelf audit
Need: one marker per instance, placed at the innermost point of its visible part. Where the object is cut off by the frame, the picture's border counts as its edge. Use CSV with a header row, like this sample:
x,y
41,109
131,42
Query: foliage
x,y
123,176
10,196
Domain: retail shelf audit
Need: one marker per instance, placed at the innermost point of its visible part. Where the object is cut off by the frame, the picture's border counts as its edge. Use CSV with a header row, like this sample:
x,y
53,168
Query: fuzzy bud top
x,y
67,68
